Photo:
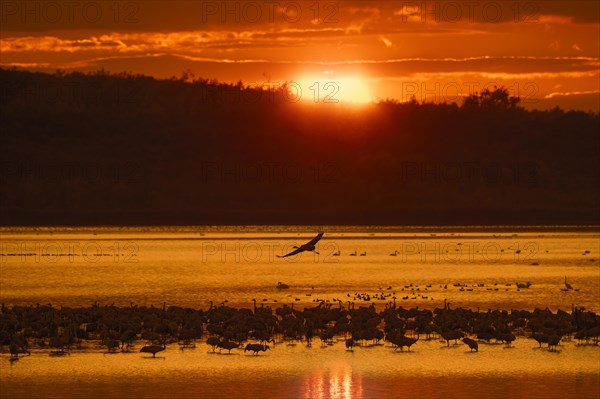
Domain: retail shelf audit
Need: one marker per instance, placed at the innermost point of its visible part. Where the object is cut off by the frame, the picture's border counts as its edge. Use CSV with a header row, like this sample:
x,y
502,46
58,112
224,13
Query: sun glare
x,y
351,90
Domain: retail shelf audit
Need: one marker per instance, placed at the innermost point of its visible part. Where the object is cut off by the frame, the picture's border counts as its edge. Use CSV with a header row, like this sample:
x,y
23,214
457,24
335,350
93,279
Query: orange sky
x,y
547,52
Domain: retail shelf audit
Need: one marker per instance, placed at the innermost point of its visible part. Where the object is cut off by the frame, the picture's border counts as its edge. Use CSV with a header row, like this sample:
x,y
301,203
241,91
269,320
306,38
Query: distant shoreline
x,y
267,228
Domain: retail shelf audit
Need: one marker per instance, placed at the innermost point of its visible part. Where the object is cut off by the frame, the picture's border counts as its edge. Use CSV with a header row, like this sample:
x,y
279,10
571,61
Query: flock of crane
x,y
123,329
228,328
414,291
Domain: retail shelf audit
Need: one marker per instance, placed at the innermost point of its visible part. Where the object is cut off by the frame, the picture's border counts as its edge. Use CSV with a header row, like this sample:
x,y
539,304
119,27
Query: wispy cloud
x,y
571,93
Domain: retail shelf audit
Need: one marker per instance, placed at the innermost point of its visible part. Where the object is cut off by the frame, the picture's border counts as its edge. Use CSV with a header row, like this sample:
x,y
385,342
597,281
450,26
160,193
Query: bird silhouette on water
x,y
154,349
263,324
16,349
400,341
451,335
228,345
553,342
256,348
309,246
472,344
350,344
214,342
524,285
568,287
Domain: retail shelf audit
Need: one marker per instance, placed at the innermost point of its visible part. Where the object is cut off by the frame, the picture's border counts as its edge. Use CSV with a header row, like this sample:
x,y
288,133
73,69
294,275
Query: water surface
x,y
472,268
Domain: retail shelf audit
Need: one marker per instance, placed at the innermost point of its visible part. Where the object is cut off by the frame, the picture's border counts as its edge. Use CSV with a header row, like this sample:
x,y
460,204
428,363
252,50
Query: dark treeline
x,y
105,148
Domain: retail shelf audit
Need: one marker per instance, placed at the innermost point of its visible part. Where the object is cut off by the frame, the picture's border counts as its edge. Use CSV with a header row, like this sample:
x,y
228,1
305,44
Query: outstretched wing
x,y
304,247
314,240
294,252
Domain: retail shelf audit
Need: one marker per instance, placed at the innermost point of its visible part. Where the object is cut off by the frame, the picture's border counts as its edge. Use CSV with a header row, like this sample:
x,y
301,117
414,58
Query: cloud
x,y
189,41
571,93
43,18
55,44
488,67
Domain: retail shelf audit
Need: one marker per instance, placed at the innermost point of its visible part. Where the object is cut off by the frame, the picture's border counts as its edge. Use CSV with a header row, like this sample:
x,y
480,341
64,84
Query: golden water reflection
x,y
338,382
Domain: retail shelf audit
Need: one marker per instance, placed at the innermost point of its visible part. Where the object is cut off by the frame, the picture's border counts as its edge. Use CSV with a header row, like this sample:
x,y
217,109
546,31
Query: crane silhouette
x,y
16,349
309,246
154,349
256,348
567,285
229,345
471,343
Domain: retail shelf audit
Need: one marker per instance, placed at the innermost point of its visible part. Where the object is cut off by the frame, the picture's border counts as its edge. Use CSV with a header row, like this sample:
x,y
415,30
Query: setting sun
x,y
333,90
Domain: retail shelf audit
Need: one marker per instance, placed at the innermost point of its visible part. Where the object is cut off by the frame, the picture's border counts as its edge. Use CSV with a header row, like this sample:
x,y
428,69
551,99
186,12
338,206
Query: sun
x,y
332,90
354,90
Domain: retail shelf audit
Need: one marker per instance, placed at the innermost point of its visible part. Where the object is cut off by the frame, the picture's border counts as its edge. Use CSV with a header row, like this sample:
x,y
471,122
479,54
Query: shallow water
x,y
190,267
431,369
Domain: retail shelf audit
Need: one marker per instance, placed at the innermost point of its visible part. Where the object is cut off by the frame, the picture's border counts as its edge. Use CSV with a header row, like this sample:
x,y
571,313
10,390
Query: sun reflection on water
x,y
339,382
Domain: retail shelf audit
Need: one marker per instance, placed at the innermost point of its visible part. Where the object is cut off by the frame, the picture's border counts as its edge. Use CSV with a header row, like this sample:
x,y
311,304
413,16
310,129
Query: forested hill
x,y
107,148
